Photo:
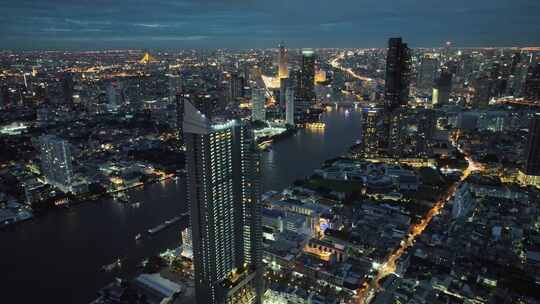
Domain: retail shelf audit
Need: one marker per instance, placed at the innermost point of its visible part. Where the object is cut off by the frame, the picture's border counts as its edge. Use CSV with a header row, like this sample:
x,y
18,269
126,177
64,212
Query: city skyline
x,y
250,152
60,24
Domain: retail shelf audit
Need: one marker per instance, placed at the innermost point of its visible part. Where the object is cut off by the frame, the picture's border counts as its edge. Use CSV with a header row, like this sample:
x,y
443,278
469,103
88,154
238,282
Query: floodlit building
x,y
283,69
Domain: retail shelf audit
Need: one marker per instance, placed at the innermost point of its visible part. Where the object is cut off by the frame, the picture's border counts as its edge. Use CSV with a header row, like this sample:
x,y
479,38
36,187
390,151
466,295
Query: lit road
x,y
336,64
518,101
367,292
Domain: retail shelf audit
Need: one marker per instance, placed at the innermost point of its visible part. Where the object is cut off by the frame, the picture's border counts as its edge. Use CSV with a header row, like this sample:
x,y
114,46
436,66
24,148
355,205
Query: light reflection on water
x,y
297,157
46,252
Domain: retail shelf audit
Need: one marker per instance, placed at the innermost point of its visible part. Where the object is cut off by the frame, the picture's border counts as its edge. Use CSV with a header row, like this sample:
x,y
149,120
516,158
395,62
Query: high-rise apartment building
x,y
371,130
426,124
258,100
56,162
284,83
532,165
443,88
427,73
224,200
236,87
289,108
283,68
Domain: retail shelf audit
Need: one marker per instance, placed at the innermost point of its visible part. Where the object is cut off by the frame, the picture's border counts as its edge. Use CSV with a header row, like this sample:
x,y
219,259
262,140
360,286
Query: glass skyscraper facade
x,y
396,94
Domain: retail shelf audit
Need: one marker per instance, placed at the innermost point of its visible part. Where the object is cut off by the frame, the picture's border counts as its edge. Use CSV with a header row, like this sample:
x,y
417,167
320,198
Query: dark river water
x,y
57,257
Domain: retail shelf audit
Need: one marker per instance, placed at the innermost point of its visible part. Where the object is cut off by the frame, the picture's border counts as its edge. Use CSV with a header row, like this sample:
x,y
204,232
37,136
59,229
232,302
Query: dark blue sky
x,y
97,24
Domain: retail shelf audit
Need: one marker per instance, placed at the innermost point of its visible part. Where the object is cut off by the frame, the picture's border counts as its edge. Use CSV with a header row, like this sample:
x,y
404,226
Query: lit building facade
x,y
283,68
224,201
56,162
258,100
306,79
371,133
289,109
236,87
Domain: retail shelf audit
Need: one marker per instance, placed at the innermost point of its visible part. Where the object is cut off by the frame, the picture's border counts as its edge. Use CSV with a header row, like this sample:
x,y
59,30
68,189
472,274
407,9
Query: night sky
x,y
99,24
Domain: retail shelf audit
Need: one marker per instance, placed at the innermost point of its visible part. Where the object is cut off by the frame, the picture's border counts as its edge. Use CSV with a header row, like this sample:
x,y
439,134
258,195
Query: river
x,y
57,257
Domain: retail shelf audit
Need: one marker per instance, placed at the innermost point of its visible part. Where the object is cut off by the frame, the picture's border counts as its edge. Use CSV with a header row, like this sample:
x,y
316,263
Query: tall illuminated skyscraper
x,y
396,94
283,69
396,90
306,80
56,162
223,175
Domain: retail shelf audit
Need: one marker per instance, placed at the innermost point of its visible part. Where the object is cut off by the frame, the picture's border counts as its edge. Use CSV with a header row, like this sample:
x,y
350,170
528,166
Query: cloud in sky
x,y
83,24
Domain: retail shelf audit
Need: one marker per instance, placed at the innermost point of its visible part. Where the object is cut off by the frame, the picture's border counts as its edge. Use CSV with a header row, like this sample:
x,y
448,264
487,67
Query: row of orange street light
x,y
368,290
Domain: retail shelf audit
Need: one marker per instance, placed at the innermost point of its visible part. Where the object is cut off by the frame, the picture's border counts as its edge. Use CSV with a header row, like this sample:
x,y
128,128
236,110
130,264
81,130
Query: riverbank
x,y
100,232
265,142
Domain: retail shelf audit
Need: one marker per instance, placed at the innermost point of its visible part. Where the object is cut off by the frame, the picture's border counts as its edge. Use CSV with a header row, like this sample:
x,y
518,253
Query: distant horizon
x,y
125,49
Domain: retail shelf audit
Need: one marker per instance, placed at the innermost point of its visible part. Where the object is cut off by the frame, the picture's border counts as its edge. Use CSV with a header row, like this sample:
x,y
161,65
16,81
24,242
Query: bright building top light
x,y
225,125
308,52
